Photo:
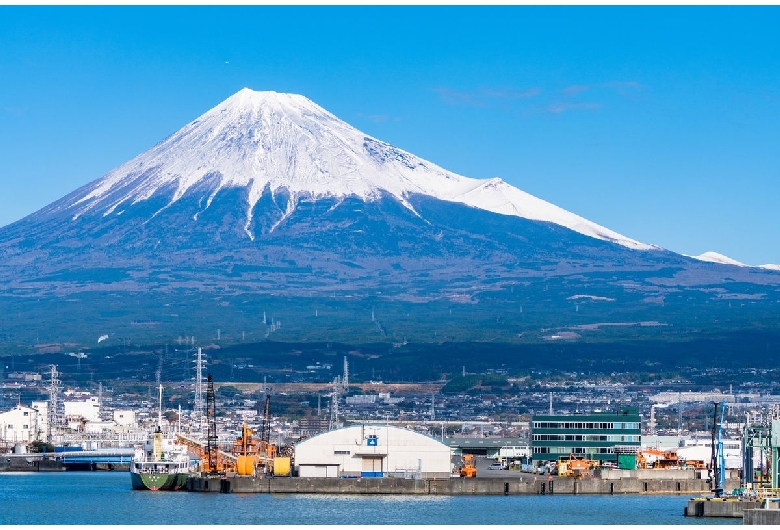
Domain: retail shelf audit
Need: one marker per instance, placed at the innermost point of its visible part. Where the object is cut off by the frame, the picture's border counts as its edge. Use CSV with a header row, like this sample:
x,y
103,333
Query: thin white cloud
x,y
481,98
451,97
511,94
379,118
15,111
575,89
625,88
568,99
561,107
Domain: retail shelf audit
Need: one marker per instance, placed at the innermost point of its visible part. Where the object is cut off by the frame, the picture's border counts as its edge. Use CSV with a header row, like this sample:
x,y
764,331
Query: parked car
x,y
495,466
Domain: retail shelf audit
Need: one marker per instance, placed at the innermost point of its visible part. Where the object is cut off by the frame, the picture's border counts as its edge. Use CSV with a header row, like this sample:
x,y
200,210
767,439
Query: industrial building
x,y
595,436
20,425
372,451
491,448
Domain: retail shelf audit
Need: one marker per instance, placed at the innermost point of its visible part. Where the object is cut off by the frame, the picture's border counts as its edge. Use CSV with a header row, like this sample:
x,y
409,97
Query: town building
x,y
124,417
595,436
20,425
84,408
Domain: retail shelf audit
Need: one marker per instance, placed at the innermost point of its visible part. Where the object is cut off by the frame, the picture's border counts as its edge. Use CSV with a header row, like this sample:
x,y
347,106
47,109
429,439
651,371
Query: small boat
x,y
161,463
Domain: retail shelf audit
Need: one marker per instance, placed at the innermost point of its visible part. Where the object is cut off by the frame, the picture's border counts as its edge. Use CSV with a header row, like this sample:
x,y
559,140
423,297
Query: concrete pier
x,y
718,507
521,485
29,462
762,516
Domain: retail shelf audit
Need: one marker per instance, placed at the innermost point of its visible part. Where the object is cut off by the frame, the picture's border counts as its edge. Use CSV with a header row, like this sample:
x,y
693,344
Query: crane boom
x,y
266,436
212,441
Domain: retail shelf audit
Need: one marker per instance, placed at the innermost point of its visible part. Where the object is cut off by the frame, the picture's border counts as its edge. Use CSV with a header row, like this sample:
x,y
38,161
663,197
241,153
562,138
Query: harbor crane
x,y
718,460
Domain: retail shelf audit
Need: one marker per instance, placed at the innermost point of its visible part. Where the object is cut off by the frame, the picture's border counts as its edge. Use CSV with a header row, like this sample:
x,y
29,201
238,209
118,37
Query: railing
x,y
109,439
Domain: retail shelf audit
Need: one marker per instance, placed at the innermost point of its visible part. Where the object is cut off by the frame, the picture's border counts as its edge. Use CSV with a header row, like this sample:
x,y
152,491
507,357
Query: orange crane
x,y
213,460
652,458
245,451
252,454
227,461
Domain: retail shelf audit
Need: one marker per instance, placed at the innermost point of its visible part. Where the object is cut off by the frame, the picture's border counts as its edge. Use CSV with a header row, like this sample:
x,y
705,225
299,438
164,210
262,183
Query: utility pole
x,y
334,405
53,410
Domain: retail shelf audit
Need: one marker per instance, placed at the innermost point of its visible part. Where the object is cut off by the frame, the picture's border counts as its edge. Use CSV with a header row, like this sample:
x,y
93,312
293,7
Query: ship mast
x,y
159,411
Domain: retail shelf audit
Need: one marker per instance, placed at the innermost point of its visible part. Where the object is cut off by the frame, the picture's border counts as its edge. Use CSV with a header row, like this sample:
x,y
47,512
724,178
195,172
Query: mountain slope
x,y
269,199
266,141
715,257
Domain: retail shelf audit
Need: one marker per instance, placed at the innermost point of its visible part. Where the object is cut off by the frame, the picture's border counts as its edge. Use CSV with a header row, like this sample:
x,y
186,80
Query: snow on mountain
x,y
272,141
714,257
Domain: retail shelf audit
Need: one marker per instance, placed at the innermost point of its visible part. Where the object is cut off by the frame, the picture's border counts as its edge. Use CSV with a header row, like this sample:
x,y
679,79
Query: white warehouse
x,y
372,451
20,424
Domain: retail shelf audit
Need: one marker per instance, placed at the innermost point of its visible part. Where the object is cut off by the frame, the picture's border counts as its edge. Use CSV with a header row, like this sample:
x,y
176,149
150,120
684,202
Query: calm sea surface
x,y
77,498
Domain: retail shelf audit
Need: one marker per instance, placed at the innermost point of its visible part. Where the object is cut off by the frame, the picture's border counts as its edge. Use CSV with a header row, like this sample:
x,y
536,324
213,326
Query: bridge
x,y
114,458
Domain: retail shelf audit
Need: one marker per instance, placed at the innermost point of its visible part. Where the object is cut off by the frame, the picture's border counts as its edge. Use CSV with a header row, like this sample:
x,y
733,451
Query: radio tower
x,y
346,373
53,410
199,403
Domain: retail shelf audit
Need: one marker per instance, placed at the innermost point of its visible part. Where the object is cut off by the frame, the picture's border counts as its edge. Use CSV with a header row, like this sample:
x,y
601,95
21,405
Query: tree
x,y
228,391
41,447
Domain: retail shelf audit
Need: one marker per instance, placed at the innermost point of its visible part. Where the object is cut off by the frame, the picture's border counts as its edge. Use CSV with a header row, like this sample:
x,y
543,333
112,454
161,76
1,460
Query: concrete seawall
x,y
761,517
29,462
456,486
718,507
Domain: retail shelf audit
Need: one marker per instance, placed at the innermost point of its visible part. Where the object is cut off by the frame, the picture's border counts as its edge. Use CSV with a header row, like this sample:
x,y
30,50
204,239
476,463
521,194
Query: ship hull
x,y
158,481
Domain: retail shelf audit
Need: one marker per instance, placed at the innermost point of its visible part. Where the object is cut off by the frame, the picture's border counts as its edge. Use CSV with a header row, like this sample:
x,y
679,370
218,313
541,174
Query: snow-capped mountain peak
x,y
274,141
714,257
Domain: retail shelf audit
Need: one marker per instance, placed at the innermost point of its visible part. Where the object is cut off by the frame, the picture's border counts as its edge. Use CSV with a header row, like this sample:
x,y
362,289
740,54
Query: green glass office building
x,y
594,436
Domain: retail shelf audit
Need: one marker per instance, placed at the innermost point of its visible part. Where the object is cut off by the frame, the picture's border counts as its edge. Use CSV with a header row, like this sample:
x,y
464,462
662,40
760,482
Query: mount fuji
x,y
266,143
270,195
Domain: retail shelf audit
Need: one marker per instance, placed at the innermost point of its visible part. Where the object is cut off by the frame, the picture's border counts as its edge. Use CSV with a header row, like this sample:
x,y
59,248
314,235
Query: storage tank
x,y
282,466
245,465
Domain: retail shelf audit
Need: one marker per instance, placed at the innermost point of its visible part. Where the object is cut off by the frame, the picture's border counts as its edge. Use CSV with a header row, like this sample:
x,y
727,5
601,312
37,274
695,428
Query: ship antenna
x,y
159,411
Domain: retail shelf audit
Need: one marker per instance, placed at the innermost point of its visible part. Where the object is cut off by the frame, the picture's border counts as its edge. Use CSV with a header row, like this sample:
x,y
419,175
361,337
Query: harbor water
x,y
105,498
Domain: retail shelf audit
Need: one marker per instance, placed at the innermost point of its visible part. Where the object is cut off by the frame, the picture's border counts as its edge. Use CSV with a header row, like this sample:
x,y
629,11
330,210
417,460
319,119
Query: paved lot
x,y
482,464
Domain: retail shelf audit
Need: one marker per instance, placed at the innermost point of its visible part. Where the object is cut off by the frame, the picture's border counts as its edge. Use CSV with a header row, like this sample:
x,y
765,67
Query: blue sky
x,y
661,122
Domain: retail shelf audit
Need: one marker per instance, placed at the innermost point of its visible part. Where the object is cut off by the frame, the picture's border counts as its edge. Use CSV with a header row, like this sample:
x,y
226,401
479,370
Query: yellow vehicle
x,y
576,467
467,468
